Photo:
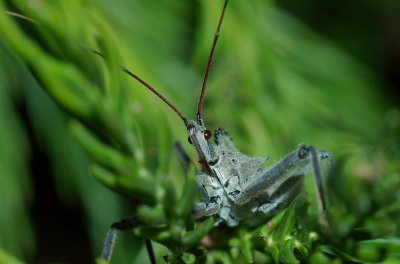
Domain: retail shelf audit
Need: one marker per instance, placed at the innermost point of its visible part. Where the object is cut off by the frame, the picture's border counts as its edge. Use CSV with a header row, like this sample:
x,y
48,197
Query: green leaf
x,y
287,225
185,202
286,252
158,233
6,258
246,246
339,253
192,237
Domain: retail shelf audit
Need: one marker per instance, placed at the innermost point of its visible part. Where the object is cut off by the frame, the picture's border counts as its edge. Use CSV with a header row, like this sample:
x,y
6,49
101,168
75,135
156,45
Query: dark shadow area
x,y
368,30
60,231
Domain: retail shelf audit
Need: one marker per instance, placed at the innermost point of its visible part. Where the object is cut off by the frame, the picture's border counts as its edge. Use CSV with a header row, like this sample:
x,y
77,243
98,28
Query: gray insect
x,y
232,185
235,186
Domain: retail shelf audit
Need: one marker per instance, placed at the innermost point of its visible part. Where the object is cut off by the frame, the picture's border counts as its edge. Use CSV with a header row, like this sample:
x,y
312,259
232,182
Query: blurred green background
x,y
324,73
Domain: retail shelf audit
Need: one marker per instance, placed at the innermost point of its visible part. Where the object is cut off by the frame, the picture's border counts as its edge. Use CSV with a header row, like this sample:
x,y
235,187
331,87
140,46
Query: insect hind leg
x,y
316,158
277,177
282,197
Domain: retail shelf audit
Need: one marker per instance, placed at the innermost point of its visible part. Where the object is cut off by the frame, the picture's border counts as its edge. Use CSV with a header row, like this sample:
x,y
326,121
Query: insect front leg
x,y
204,210
210,191
207,186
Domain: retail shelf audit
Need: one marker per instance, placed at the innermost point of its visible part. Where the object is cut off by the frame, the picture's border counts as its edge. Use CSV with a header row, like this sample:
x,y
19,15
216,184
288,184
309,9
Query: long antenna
x,y
203,88
173,107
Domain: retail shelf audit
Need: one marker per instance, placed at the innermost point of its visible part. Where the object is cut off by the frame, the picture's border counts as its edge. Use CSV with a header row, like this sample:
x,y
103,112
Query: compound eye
x,y
207,134
190,141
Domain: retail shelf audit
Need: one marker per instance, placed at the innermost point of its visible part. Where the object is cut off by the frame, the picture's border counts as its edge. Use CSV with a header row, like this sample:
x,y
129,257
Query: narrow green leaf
x,y
192,237
101,261
102,154
158,233
287,224
135,187
286,252
392,242
339,253
272,249
151,215
169,199
246,246
185,202
218,256
6,258
234,244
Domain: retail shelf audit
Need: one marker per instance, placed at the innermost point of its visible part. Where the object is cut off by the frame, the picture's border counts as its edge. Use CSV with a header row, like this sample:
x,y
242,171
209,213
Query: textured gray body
x,y
234,186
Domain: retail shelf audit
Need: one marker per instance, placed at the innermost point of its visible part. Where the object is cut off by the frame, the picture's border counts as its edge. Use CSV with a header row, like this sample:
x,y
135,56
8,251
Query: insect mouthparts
x,y
213,162
189,126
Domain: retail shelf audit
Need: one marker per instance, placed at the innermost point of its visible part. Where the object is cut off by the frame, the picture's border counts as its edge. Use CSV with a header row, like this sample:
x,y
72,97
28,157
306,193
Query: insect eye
x,y
190,141
207,134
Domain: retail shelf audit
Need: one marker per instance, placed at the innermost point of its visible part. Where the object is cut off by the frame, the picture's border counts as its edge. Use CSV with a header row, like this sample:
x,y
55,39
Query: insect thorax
x,y
228,169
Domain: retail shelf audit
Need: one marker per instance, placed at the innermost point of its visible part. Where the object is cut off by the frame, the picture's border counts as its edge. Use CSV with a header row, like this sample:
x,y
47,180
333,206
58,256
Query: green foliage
x,y
15,184
273,85
6,258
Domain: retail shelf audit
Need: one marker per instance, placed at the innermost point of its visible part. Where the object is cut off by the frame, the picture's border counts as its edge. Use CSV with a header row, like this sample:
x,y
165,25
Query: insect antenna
x,y
203,88
153,90
173,107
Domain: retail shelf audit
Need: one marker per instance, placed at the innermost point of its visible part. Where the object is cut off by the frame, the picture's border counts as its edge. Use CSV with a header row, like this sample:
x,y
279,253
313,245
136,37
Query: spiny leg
x,y
282,196
211,193
220,210
315,161
295,164
111,238
268,181
109,243
203,210
200,211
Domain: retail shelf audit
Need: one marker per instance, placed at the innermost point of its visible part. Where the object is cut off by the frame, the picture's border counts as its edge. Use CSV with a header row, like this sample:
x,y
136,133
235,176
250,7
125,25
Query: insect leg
x,y
296,164
281,197
111,238
211,193
203,210
268,181
315,162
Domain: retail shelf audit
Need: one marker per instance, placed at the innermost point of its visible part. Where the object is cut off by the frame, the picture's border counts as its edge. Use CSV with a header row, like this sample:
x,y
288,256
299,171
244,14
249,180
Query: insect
x,y
234,186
